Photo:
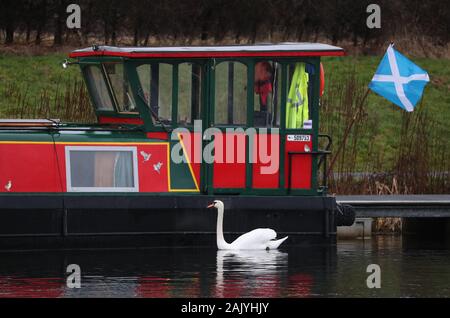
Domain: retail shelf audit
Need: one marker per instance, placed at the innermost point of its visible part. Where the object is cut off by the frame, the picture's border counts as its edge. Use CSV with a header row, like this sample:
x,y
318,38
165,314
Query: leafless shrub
x,y
70,103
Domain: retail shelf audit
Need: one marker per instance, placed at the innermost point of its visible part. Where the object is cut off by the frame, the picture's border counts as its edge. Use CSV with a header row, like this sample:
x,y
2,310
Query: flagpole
x,y
347,132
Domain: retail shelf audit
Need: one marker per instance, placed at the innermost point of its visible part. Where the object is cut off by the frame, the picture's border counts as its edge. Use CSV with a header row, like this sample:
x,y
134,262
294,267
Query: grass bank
x,y
385,118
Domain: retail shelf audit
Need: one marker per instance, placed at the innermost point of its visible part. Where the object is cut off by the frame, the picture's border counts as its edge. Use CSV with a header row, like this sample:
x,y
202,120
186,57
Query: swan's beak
x,y
211,206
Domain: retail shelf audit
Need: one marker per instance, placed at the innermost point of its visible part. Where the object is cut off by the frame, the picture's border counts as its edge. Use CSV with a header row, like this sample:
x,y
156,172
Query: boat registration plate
x,y
304,138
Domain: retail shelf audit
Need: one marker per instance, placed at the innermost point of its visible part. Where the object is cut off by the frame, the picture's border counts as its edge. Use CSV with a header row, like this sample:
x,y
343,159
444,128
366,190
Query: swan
x,y
259,239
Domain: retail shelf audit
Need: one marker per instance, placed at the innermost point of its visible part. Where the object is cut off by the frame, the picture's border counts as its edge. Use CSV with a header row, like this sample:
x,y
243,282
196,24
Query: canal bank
x,y
412,216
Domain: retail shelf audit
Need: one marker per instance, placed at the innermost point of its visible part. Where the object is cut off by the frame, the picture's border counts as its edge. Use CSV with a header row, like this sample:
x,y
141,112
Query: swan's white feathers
x,y
273,245
255,239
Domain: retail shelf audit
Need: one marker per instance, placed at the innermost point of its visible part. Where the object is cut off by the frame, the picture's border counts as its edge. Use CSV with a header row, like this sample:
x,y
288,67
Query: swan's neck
x,y
221,243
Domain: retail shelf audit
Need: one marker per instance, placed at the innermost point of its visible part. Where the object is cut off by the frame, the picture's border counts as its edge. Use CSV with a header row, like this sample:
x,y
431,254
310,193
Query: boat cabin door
x,y
260,127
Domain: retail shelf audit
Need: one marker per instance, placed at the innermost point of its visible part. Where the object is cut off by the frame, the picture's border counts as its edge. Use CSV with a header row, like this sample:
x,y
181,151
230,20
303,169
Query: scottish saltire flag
x,y
399,80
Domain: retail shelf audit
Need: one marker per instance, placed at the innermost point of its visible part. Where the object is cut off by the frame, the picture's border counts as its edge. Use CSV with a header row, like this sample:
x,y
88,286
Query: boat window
x,y
267,90
156,84
121,87
231,94
189,93
101,169
98,88
298,107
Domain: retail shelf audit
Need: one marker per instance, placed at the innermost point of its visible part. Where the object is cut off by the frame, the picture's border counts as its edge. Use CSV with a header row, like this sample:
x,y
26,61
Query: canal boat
x,y
177,128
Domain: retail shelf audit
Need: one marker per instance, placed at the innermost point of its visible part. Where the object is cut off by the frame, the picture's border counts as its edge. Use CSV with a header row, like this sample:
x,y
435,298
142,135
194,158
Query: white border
x,y
68,149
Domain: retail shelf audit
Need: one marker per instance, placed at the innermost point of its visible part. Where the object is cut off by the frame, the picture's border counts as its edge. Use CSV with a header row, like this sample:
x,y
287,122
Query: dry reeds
x,y
69,103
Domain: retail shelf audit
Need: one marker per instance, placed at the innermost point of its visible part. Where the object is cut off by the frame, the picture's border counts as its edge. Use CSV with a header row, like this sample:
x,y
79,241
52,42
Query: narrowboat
x,y
178,127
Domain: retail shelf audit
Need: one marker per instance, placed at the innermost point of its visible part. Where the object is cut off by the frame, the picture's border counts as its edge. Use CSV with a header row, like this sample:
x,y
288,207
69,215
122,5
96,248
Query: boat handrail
x,y
29,122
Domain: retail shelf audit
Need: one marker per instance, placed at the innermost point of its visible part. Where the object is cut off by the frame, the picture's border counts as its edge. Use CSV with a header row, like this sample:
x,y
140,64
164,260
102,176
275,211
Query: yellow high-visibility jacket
x,y
297,111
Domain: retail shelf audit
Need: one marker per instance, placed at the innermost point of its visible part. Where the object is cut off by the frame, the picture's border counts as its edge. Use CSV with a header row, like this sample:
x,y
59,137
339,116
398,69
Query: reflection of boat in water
x,y
163,273
17,287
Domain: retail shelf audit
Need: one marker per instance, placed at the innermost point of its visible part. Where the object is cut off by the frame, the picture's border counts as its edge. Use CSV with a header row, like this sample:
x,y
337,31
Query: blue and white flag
x,y
399,80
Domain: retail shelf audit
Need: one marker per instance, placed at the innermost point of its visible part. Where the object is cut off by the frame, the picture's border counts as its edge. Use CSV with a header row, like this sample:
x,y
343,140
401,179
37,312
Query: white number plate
x,y
304,138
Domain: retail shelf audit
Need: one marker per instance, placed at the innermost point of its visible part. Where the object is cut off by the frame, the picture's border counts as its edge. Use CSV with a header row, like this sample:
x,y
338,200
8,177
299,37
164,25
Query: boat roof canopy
x,y
229,51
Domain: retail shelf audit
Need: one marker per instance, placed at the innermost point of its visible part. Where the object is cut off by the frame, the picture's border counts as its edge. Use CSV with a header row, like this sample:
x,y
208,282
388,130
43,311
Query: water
x,y
315,271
